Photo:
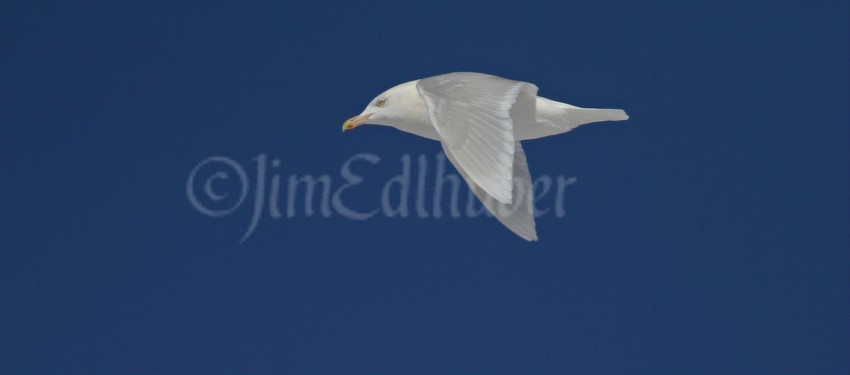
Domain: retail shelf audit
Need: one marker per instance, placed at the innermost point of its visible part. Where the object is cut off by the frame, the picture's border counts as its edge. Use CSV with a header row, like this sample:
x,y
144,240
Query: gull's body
x,y
480,120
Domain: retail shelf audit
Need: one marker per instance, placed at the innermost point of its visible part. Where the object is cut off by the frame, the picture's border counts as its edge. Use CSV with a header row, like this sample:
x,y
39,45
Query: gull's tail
x,y
582,116
556,117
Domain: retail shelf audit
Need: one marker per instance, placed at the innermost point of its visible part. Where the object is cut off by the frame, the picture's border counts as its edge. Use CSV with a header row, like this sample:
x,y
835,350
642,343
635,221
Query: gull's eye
x,y
381,102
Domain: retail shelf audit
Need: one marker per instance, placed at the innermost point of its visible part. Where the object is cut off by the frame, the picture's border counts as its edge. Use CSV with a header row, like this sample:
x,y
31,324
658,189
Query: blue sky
x,y
707,234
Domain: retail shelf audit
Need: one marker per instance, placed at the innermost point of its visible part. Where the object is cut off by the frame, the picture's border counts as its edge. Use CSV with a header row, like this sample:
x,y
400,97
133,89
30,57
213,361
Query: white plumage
x,y
480,120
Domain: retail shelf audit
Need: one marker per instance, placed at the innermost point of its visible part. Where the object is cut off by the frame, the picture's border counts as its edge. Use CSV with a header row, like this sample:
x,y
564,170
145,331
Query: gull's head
x,y
395,107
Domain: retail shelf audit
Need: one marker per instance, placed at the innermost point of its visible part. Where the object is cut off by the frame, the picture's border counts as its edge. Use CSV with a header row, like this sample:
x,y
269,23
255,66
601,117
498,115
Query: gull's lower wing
x,y
518,216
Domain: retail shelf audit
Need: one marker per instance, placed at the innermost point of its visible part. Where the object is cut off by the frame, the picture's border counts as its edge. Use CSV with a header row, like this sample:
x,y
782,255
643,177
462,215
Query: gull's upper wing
x,y
474,114
518,215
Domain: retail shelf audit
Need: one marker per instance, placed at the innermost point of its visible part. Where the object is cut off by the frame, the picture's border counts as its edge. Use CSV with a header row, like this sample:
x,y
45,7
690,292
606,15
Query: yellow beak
x,y
355,122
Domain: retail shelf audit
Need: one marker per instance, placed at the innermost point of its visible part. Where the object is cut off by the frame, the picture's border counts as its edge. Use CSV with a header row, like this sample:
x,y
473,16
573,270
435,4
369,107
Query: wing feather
x,y
474,114
518,215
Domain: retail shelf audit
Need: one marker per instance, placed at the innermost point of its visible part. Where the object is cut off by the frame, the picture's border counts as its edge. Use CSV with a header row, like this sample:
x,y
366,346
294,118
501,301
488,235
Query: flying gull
x,y
480,120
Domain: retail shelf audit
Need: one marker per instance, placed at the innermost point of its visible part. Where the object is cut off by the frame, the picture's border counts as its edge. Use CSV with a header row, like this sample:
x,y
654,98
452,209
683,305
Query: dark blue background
x,y
708,234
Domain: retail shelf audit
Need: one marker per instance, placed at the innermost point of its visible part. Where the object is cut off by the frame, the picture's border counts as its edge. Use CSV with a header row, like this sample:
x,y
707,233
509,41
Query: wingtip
x,y
531,237
529,233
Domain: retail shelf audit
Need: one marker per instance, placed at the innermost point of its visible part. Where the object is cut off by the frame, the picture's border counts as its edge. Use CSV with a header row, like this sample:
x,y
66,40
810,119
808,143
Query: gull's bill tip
x,y
355,122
